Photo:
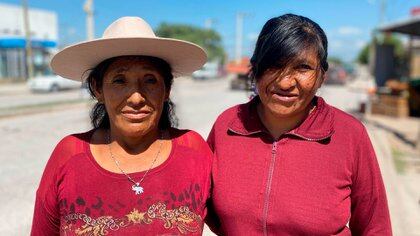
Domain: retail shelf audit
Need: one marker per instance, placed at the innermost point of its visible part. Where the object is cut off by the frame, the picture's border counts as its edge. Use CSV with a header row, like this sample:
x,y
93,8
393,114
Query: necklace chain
x,y
136,185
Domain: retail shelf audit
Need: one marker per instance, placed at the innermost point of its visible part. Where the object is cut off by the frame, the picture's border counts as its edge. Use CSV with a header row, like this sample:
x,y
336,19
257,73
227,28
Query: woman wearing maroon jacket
x,y
133,174
287,163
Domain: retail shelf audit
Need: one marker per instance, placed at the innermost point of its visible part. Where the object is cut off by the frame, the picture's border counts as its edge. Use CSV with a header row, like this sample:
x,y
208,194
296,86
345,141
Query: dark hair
x,y
99,116
283,38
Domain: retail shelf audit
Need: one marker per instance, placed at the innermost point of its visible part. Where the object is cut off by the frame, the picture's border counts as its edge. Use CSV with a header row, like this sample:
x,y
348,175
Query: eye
x,y
303,67
119,79
150,79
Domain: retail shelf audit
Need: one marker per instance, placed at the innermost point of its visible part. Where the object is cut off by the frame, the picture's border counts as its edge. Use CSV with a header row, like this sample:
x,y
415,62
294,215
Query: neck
x,y
279,125
133,145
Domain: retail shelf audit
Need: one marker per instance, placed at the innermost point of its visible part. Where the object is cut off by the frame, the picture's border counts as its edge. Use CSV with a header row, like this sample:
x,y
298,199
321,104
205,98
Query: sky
x,y
347,23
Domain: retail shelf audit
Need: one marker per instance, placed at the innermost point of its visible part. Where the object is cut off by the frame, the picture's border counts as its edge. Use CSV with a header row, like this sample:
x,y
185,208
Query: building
x,y
44,36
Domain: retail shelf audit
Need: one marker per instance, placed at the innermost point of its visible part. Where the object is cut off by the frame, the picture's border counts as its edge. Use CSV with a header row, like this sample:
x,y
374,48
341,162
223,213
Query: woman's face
x,y
133,92
288,92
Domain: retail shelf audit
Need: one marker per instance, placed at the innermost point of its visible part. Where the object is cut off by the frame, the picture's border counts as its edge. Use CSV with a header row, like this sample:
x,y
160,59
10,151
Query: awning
x,y
410,26
21,43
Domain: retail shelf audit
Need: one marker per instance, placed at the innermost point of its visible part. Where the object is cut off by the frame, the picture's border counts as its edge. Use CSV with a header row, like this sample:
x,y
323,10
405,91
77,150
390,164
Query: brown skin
x,y
133,92
286,94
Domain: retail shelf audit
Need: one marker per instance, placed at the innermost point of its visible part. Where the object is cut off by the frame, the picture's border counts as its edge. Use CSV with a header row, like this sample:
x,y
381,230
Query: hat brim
x,y
74,62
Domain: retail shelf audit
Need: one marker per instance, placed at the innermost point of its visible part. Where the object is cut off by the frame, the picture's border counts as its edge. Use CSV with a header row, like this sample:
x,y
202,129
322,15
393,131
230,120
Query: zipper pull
x,y
274,149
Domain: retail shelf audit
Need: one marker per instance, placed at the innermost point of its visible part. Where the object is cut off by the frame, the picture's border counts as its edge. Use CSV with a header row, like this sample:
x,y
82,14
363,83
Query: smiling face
x,y
288,92
133,91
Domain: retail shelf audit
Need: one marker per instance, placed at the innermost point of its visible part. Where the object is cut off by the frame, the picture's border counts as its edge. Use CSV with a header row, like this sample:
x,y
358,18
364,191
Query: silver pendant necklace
x,y
136,185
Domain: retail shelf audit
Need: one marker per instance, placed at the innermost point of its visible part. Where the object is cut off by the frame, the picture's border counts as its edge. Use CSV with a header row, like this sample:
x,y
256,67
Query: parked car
x,y
241,82
336,75
51,83
210,70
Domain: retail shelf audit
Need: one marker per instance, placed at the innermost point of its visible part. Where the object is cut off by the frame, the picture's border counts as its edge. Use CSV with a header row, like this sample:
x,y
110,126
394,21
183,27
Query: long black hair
x,y
99,116
283,38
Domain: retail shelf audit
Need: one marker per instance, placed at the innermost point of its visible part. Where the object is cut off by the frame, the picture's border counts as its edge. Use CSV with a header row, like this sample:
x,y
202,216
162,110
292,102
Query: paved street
x,y
27,142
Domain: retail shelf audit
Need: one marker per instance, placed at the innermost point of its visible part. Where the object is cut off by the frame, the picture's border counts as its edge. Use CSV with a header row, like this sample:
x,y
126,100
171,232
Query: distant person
x,y
133,174
287,163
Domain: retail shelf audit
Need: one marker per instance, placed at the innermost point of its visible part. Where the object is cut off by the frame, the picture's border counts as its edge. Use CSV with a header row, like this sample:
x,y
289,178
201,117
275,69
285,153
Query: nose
x,y
136,98
286,82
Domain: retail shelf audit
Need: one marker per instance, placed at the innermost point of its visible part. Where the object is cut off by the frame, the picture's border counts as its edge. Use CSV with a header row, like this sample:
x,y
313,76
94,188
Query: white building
x,y
44,36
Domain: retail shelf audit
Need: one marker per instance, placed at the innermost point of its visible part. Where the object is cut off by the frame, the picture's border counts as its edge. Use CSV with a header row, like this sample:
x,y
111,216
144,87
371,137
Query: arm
x,y
369,208
46,219
211,219
44,222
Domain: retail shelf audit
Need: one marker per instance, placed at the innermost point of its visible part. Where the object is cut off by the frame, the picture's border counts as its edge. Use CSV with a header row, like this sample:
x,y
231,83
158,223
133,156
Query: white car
x,y
210,70
51,83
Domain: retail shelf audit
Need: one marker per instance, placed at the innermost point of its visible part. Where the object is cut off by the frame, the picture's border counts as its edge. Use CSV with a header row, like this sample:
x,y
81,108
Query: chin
x,y
136,130
284,111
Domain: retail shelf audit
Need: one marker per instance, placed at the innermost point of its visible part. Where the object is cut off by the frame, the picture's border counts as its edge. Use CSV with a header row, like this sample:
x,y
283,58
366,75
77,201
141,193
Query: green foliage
x,y
209,39
335,60
363,57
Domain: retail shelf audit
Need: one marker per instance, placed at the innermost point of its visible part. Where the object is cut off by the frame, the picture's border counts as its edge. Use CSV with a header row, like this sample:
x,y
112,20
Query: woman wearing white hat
x,y
133,173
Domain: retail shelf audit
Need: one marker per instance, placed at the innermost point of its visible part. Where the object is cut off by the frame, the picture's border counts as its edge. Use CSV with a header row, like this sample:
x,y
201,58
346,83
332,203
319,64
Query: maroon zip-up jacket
x,y
321,178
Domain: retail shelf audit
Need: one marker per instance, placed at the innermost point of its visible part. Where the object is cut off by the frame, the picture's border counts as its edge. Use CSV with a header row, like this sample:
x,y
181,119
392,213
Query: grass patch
x,y
399,162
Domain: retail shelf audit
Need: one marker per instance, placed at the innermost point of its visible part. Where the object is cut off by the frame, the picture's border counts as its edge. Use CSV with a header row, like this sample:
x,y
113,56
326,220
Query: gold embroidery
x,y
181,218
137,217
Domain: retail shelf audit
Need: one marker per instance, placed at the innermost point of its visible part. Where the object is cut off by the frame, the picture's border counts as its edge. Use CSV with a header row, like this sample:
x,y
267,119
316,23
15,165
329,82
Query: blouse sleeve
x,y
369,208
46,218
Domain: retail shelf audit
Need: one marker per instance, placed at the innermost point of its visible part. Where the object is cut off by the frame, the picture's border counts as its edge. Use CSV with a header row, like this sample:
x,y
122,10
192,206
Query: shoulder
x,y
188,138
68,147
347,122
230,114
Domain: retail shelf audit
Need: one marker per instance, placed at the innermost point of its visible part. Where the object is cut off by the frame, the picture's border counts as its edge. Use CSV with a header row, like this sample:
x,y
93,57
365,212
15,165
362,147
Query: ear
x,y
167,93
321,79
97,92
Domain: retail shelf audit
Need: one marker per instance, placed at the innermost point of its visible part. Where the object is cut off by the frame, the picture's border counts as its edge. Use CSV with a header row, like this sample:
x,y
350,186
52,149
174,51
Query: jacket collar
x,y
319,125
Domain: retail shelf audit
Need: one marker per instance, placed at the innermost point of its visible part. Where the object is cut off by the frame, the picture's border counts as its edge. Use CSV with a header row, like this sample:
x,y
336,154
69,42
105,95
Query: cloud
x,y
371,2
349,30
336,44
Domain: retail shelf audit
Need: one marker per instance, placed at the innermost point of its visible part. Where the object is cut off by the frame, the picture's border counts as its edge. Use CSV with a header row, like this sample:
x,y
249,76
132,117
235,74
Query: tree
x,y
363,57
209,39
335,60
400,54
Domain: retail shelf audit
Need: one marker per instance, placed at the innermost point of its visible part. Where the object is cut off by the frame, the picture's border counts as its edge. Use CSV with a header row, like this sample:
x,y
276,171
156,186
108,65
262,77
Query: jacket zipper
x,y
268,187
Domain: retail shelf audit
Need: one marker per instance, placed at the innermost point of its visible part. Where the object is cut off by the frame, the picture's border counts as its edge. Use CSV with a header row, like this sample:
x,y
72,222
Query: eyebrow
x,y
124,69
305,61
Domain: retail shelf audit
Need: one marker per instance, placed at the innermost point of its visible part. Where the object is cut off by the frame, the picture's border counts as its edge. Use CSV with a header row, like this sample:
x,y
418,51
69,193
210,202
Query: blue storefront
x,y
12,57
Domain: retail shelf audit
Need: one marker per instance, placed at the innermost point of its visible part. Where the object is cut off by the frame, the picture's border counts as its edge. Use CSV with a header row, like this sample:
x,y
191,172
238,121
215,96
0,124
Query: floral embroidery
x,y
137,217
181,218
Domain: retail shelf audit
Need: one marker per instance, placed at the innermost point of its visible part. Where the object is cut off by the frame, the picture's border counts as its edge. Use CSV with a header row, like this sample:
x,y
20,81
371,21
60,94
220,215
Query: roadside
x,y
403,191
16,99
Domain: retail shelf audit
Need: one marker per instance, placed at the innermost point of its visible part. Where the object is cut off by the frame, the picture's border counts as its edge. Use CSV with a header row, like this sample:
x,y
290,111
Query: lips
x,y
136,115
285,97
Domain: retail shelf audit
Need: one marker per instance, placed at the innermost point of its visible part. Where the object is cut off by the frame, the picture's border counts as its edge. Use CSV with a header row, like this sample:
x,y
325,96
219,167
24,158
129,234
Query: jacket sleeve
x,y
211,218
369,208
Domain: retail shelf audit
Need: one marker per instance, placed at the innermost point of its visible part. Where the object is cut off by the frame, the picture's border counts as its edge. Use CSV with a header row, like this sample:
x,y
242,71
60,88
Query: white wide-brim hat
x,y
127,36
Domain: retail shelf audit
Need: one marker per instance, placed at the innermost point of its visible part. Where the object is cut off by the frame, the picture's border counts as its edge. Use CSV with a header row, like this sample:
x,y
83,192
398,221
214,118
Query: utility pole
x,y
239,26
382,13
28,45
208,23
88,8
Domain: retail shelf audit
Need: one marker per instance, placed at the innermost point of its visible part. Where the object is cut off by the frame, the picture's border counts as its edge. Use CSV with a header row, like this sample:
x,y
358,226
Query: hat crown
x,y
127,27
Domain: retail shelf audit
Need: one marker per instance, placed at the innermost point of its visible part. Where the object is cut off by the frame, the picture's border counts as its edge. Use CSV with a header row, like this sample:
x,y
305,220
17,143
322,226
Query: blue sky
x,y
348,23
